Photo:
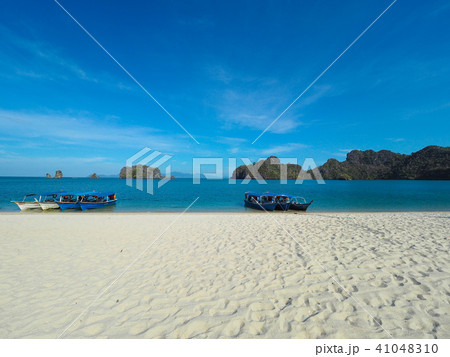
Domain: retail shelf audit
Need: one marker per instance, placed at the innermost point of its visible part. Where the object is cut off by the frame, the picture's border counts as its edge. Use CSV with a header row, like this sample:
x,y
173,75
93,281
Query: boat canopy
x,y
276,194
52,193
293,197
77,193
100,194
258,195
255,194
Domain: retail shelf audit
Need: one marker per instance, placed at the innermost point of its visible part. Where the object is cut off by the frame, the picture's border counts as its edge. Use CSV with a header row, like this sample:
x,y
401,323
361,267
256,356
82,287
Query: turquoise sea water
x,y
219,195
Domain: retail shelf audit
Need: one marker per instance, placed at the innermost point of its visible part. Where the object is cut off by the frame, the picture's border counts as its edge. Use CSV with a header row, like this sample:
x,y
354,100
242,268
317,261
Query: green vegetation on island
x,y
140,172
430,163
269,169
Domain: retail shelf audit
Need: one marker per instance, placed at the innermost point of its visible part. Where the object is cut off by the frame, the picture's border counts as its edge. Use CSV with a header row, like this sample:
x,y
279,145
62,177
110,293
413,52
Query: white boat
x,y
48,205
44,201
49,200
32,202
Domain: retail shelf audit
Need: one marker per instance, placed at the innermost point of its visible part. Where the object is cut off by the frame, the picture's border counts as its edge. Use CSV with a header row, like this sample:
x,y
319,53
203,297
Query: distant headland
x,y
430,163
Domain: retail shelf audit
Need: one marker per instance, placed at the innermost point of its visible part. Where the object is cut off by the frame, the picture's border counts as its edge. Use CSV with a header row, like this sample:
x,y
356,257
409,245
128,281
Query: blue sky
x,y
224,70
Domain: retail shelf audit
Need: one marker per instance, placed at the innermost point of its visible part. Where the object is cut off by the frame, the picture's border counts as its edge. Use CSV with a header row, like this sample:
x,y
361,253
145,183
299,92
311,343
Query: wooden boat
x,y
298,203
71,200
259,201
49,200
283,201
30,201
97,200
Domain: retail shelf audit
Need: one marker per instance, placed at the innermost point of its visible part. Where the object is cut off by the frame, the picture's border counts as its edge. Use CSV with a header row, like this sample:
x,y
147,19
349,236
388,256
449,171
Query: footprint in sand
x,y
415,282
262,315
222,304
330,306
256,328
316,332
284,324
233,328
230,310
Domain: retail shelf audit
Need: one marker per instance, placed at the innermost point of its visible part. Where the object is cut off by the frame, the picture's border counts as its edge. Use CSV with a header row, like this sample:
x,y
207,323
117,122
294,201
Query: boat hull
x,y
48,205
299,206
27,205
68,205
282,206
91,205
261,206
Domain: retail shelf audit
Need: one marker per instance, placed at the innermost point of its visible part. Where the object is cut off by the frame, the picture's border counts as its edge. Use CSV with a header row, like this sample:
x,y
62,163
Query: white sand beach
x,y
219,275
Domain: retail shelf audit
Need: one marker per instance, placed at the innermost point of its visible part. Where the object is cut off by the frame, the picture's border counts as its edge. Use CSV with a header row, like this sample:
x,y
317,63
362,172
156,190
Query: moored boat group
x,y
89,200
275,201
67,200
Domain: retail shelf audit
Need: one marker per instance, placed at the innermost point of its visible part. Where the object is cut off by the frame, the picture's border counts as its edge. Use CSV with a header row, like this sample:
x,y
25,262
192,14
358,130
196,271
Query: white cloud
x,y
219,73
80,130
256,109
230,140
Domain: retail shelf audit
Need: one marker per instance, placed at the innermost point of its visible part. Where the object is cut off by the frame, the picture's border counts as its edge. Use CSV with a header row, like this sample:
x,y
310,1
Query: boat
x,y
283,201
49,200
259,201
71,200
298,203
97,200
30,201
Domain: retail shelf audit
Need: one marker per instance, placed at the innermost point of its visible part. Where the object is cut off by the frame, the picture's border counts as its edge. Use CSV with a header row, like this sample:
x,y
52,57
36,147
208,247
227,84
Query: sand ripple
x,y
226,276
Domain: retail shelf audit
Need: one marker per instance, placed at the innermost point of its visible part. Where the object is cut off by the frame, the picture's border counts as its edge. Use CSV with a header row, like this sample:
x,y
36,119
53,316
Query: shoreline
x,y
99,212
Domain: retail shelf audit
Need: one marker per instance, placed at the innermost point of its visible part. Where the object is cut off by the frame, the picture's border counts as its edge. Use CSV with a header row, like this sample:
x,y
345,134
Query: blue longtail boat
x,y
259,201
283,201
97,200
71,200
